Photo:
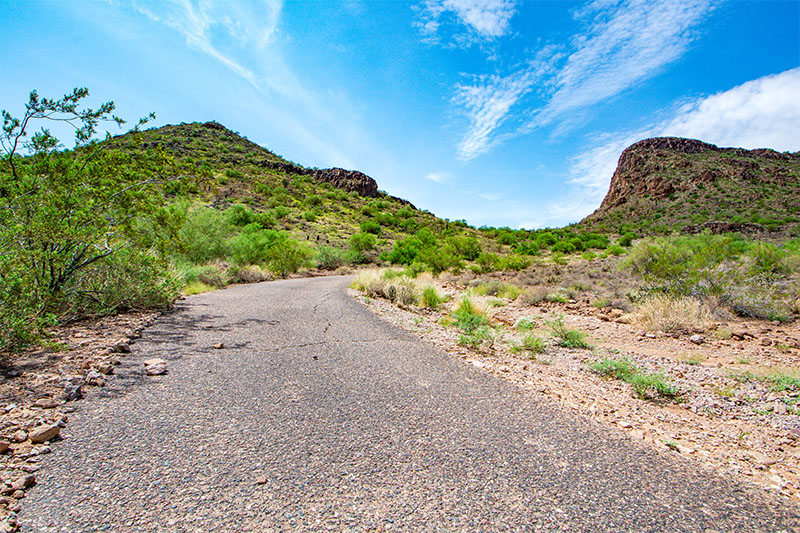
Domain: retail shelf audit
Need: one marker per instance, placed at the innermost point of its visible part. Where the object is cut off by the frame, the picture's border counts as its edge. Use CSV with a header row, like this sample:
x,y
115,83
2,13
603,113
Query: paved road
x,y
350,423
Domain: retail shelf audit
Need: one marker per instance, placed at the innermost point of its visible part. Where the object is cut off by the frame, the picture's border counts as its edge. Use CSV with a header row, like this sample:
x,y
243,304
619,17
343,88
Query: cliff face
x,y
684,181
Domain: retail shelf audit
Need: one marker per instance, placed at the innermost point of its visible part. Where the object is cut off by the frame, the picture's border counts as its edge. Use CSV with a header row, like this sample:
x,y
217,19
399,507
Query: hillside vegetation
x,y
668,184
129,222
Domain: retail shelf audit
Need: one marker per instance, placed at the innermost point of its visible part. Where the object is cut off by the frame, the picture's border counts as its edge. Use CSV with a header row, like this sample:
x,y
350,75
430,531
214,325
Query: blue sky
x,y
501,112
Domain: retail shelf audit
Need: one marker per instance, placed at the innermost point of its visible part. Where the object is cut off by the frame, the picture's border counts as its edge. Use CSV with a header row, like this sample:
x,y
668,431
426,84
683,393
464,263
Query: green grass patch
x,y
567,338
197,287
643,383
431,298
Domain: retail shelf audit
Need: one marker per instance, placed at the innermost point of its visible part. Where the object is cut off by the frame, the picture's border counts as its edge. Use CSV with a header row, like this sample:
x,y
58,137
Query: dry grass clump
x,y
672,314
534,296
250,274
389,284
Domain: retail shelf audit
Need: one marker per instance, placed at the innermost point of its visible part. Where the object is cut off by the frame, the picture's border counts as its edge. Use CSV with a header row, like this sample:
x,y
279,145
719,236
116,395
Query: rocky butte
x,y
685,184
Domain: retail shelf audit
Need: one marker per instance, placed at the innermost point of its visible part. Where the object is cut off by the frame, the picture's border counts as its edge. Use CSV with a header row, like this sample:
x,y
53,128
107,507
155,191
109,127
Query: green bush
x,y
286,256
330,258
361,242
204,235
239,215
532,343
465,246
440,259
370,226
563,247
130,279
252,245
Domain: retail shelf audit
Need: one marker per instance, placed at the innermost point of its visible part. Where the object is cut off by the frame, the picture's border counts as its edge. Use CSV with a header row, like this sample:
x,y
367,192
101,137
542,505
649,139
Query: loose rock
x,y
45,433
697,339
46,403
155,367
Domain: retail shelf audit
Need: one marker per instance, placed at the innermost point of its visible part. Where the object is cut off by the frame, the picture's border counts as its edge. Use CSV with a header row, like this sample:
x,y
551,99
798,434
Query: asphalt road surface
x,y
317,415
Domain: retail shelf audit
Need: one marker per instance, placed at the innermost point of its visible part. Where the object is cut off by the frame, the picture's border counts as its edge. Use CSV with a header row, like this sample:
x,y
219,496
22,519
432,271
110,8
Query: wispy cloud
x,y
484,19
487,103
762,113
219,29
625,43
622,44
438,177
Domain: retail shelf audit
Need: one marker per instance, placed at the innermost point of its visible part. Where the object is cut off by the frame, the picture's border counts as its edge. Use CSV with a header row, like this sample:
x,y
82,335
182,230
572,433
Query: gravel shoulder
x,y
288,405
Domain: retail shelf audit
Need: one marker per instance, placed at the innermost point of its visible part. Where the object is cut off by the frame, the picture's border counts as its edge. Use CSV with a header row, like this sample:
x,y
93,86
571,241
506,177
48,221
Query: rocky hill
x,y
321,205
668,184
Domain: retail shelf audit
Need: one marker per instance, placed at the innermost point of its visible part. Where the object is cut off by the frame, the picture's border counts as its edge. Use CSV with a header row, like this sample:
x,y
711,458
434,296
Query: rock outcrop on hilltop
x,y
348,180
700,185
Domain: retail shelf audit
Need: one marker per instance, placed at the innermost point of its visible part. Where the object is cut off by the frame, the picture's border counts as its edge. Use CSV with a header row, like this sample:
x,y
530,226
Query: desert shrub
x,y
330,258
354,257
489,262
286,256
239,215
265,219
310,215
546,239
204,235
440,259
250,247
615,249
498,288
507,237
213,275
662,312
370,226
248,274
532,343
626,240
279,212
405,212
515,262
563,247
233,173
314,200
567,338
465,246
534,296
362,242
130,279
527,248
479,336
749,277
405,251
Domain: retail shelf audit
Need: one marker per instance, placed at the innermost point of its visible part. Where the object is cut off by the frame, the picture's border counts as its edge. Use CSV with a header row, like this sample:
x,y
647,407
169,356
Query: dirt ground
x,y
727,415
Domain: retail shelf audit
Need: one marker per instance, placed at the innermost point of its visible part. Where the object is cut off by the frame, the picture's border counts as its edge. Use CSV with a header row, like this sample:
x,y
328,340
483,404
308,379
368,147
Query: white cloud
x,y
213,27
626,43
438,177
762,113
623,44
486,19
487,104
